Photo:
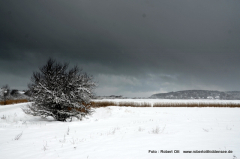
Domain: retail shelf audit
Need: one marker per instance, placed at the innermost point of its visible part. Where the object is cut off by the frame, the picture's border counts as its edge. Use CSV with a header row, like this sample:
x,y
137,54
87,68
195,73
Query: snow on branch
x,y
60,92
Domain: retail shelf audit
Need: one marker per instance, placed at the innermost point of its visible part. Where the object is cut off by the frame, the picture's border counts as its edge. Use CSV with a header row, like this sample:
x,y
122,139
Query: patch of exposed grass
x,y
13,101
121,104
134,104
96,104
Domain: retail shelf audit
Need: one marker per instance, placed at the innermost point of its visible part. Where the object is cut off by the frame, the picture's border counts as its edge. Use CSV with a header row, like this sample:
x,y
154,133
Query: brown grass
x,y
102,104
134,104
96,104
13,101
121,104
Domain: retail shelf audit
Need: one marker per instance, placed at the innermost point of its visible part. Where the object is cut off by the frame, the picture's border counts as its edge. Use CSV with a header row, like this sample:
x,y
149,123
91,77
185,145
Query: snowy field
x,y
123,132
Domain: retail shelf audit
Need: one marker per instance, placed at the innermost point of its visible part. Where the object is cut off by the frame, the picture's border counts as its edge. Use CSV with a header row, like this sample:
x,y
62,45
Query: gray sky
x,y
131,47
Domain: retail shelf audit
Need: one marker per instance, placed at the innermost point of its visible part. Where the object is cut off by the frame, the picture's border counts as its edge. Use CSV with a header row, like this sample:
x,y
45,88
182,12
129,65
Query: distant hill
x,y
198,94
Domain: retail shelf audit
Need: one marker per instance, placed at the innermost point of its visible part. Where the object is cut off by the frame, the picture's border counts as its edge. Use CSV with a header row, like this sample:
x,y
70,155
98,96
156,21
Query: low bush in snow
x,y
60,92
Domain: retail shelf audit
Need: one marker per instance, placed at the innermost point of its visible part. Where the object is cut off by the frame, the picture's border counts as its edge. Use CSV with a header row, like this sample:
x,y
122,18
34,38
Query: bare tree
x,y
5,93
14,92
60,92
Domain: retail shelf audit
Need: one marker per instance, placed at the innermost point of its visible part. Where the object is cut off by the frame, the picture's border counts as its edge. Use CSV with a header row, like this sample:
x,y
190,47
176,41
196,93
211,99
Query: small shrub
x,y
140,129
60,92
18,136
3,117
156,130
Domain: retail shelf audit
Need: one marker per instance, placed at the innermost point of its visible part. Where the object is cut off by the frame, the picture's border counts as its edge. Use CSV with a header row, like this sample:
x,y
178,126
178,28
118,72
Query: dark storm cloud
x,y
131,47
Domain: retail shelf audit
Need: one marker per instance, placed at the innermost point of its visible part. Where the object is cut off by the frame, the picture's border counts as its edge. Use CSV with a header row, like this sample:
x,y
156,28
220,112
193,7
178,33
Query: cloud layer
x,y
132,48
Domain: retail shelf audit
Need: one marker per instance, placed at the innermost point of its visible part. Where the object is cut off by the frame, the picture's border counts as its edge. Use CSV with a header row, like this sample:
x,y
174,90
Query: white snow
x,y
122,132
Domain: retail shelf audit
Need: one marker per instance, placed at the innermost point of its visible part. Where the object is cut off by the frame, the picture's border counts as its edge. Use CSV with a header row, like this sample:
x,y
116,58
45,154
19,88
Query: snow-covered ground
x,y
122,132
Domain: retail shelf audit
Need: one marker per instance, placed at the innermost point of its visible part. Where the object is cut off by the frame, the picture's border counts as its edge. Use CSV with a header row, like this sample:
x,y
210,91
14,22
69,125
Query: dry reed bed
x,y
13,101
125,104
96,104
